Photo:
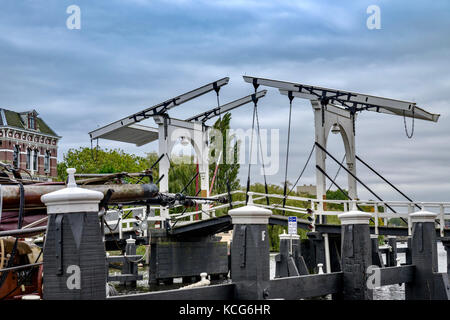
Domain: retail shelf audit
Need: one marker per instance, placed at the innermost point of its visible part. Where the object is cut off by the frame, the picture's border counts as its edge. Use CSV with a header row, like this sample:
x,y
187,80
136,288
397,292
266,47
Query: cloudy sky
x,y
132,54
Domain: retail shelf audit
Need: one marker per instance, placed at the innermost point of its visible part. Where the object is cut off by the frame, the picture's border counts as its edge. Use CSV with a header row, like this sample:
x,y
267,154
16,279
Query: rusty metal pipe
x,y
121,193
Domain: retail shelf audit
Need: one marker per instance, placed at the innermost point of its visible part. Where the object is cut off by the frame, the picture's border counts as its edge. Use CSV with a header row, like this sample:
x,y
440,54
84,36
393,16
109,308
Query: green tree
x,y
87,160
228,168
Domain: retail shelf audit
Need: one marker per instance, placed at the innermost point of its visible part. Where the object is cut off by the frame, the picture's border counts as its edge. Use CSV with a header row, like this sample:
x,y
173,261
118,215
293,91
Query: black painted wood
x,y
377,259
294,288
90,257
356,258
251,277
424,257
125,277
391,255
172,259
214,292
396,275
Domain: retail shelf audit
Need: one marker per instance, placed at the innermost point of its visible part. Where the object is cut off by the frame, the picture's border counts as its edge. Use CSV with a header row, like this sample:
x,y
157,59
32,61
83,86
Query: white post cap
x,y
286,236
250,214
72,198
131,240
354,216
423,216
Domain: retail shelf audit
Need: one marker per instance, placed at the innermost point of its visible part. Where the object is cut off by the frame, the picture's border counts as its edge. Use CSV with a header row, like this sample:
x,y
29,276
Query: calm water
x,y
392,292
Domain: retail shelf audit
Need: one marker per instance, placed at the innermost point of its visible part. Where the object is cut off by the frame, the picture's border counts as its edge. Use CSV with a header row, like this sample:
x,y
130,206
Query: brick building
x,y
27,142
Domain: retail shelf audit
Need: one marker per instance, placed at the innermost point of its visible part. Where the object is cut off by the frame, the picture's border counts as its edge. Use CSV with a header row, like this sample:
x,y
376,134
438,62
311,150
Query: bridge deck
x,y
223,223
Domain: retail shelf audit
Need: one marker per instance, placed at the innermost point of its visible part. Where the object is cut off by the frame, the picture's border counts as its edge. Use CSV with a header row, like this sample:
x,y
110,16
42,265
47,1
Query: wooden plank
x,y
120,259
125,277
294,288
215,292
396,275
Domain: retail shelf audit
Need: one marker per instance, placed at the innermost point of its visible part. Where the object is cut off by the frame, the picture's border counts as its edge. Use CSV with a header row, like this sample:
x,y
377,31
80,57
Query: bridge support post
x,y
74,252
356,255
427,284
250,269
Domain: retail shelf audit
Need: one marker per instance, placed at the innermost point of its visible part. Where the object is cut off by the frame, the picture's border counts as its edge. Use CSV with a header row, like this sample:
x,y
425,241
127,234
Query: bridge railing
x,y
382,214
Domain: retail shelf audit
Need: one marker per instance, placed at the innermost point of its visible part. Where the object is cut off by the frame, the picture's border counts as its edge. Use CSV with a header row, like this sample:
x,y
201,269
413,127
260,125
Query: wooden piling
x,y
74,254
250,269
356,255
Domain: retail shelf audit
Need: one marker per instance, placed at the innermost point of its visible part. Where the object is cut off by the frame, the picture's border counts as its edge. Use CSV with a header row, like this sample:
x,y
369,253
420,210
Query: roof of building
x,y
11,118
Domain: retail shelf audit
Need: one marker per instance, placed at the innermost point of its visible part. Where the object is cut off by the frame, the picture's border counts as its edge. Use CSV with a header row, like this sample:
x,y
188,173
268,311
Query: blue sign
x,y
292,225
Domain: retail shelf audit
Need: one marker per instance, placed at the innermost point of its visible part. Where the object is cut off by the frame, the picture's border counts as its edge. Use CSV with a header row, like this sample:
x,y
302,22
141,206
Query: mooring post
x,y
424,257
391,256
289,262
129,266
377,258
250,269
317,250
74,253
356,254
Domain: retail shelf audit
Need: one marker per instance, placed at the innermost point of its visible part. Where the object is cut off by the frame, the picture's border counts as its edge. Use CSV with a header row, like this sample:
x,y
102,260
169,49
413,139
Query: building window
x,y
31,121
16,158
47,161
35,160
28,158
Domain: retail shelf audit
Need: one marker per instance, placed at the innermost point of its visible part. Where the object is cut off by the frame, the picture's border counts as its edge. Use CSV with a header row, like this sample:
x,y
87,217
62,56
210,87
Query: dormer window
x,y
31,121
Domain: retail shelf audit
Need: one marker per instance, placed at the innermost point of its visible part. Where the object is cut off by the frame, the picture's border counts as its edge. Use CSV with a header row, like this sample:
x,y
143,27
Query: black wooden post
x,y
250,269
377,258
289,262
317,253
74,253
424,257
391,256
356,255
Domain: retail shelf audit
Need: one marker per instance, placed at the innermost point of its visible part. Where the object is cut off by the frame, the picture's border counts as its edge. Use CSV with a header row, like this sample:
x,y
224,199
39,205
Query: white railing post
x,y
313,216
410,210
375,211
442,219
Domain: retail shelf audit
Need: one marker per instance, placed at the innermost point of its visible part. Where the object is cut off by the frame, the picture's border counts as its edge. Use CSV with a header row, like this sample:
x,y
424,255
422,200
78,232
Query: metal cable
x,y
287,150
251,151
409,135
337,173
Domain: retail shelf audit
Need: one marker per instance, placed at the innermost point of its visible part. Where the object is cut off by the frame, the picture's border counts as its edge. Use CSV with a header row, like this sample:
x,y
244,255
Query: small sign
x,y
292,225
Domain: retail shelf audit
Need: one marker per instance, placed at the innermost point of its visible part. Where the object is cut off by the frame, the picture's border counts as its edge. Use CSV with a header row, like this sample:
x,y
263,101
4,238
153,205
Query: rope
x,y
409,135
